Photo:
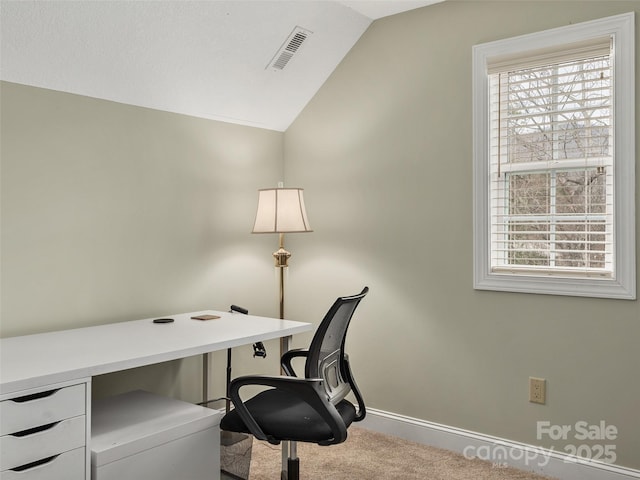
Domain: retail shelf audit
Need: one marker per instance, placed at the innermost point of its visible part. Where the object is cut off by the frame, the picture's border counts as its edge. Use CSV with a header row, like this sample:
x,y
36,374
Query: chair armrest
x,y
289,355
362,410
310,391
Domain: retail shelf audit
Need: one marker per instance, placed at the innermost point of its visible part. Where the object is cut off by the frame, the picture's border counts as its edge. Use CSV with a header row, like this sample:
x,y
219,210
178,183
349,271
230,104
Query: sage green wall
x,y
384,154
112,212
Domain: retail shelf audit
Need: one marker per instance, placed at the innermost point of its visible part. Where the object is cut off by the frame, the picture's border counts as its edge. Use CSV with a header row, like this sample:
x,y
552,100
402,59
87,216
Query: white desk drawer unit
x,y
44,434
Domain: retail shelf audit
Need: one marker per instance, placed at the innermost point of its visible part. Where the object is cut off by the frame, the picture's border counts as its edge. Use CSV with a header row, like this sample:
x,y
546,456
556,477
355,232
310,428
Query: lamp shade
x,y
281,210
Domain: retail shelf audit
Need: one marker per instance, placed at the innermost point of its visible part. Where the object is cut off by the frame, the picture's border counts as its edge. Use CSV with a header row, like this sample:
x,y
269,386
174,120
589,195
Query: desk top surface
x,y
32,361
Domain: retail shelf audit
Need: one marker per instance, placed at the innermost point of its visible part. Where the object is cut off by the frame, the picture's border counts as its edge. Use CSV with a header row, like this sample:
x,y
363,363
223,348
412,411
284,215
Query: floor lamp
x,y
281,210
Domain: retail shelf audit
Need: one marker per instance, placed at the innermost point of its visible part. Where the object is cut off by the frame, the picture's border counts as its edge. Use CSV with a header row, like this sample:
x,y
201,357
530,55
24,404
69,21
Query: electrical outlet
x,y
537,390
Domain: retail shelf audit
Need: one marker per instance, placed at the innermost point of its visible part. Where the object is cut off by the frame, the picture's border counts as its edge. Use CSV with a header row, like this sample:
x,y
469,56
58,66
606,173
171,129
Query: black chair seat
x,y
285,417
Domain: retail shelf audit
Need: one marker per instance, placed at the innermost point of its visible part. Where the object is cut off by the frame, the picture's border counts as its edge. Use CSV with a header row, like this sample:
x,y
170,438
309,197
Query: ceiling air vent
x,y
289,48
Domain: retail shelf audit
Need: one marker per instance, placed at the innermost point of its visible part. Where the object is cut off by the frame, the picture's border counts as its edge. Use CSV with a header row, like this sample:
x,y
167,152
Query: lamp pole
x,y
281,257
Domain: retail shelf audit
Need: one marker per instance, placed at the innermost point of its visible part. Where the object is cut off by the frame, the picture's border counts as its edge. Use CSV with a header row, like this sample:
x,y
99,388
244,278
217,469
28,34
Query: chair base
x,y
293,470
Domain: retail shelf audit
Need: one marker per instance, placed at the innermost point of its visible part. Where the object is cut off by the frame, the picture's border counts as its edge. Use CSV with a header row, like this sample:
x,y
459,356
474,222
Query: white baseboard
x,y
499,451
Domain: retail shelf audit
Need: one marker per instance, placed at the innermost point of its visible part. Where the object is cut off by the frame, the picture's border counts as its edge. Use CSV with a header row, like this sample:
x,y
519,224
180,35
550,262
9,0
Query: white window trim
x,y
623,285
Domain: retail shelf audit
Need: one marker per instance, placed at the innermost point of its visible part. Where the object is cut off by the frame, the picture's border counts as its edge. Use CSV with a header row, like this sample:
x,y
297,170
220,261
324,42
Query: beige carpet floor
x,y
370,455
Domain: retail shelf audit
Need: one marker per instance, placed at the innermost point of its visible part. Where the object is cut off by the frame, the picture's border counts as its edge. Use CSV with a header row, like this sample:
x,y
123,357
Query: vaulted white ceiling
x,y
208,59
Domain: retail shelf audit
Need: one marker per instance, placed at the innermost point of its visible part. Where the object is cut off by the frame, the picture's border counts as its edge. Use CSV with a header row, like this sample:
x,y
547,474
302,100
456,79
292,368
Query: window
x,y
554,161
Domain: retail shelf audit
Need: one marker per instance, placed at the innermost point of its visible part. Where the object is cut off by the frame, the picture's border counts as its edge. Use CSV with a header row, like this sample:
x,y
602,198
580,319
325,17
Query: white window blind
x,y
551,161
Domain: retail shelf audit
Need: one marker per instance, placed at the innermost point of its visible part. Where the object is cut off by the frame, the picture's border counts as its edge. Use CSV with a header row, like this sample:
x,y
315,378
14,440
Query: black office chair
x,y
311,409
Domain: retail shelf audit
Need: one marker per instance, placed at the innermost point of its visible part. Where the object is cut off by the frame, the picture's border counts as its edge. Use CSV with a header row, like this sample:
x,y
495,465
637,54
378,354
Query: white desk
x,y
64,361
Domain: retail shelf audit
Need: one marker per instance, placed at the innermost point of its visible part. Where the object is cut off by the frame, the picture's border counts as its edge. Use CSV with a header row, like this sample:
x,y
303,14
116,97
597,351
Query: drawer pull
x,y
34,396
33,430
35,464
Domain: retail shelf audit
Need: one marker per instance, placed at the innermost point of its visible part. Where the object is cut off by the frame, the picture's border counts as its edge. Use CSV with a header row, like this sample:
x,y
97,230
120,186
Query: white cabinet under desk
x,y
45,381
45,433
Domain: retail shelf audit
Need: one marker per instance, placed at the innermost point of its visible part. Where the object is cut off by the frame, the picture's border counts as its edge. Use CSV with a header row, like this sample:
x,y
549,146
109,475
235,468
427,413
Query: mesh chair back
x,y
326,357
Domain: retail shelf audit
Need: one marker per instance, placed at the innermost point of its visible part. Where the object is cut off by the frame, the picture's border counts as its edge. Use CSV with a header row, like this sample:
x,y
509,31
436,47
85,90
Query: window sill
x,y
555,285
